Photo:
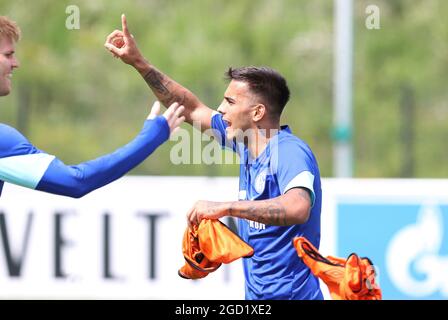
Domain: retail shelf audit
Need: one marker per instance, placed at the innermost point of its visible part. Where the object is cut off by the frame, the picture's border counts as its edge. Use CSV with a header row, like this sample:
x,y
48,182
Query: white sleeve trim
x,y
25,170
304,179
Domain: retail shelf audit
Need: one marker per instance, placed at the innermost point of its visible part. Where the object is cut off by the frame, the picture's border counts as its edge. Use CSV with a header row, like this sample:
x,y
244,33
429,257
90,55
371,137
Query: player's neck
x,y
261,138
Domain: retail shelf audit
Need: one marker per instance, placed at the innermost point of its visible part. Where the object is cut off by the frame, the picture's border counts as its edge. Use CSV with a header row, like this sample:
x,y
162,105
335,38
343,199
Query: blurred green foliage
x,y
83,103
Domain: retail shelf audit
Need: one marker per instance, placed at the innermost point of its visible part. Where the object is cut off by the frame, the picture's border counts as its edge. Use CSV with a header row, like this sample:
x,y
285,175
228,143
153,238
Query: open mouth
x,y
228,123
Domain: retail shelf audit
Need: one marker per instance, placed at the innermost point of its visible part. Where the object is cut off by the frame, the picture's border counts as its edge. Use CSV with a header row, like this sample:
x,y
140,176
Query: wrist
x,y
142,65
160,125
219,209
230,209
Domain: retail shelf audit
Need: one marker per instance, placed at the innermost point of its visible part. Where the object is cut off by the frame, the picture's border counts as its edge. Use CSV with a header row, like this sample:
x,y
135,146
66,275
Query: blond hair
x,y
9,29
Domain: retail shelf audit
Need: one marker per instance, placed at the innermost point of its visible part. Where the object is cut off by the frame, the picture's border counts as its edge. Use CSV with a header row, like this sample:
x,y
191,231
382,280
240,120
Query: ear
x,y
259,112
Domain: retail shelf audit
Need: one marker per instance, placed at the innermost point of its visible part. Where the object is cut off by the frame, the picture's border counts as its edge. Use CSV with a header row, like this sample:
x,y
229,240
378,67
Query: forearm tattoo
x,y
159,83
272,213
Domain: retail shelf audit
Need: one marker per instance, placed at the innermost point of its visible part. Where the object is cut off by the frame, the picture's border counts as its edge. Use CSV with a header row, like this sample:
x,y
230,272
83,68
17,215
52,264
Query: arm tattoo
x,y
272,213
155,80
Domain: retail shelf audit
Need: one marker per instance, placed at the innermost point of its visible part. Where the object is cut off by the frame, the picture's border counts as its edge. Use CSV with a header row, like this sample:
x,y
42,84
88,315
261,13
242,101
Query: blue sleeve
x,y
76,181
23,164
219,131
20,162
294,167
13,143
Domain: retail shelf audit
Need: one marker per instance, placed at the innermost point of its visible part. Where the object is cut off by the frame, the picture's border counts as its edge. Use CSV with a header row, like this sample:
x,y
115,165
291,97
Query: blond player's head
x,y
9,35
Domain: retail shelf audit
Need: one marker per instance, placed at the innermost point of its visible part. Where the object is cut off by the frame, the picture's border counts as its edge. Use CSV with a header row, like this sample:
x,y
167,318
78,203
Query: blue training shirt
x,y
275,271
23,164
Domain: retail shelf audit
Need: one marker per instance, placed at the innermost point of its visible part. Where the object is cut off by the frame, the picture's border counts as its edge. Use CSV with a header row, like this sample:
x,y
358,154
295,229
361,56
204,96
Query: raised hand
x,y
173,114
122,44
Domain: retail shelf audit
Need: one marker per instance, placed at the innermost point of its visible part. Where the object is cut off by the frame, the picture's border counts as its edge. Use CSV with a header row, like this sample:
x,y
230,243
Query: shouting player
x,y
280,189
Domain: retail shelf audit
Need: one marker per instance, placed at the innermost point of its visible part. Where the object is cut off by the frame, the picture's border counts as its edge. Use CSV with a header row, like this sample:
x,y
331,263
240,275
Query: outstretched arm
x,y
293,207
23,164
123,45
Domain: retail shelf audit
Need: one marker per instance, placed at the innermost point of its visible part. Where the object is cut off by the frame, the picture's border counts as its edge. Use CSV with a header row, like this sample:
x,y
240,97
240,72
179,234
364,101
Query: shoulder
x,y
291,155
8,130
11,139
289,144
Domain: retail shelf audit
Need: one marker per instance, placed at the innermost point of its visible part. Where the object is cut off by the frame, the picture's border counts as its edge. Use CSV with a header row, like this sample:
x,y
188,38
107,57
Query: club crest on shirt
x,y
260,181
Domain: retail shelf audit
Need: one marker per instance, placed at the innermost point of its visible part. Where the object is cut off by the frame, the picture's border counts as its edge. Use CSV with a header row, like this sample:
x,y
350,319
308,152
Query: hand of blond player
x,y
173,114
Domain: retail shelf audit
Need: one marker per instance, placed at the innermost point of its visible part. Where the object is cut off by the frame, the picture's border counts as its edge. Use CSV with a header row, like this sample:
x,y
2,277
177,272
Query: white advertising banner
x,y
120,242
125,241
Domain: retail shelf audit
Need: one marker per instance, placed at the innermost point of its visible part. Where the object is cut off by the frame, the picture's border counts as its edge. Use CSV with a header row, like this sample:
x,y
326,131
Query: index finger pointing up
x,y
124,25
